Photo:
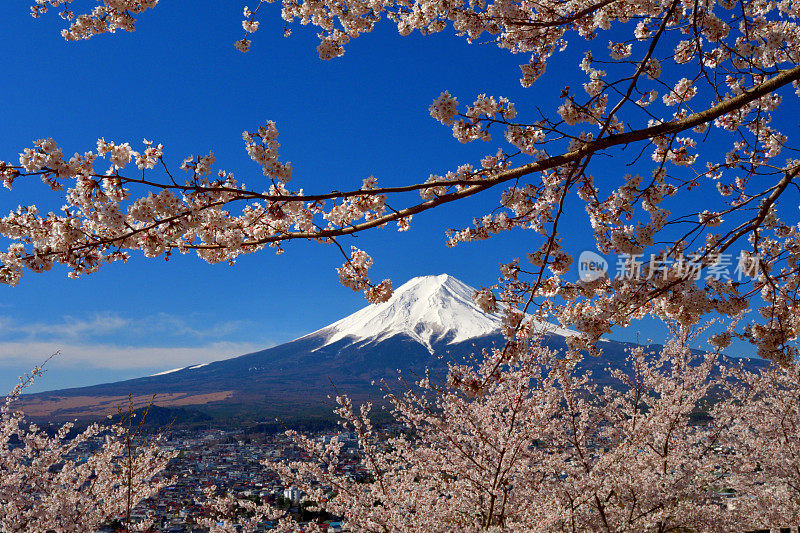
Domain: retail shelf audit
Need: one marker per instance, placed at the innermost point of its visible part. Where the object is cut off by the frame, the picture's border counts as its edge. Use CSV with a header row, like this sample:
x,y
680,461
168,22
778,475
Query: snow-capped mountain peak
x,y
427,308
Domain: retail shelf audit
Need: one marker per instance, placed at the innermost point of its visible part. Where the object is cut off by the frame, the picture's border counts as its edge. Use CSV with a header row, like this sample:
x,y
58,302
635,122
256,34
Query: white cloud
x,y
69,327
189,330
109,344
111,356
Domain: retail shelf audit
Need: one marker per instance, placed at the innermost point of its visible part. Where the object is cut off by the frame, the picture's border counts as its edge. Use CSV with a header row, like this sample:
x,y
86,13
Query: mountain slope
x,y
428,320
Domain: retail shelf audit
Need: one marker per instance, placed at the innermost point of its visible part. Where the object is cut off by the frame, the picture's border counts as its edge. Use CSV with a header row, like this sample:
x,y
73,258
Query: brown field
x,y
69,407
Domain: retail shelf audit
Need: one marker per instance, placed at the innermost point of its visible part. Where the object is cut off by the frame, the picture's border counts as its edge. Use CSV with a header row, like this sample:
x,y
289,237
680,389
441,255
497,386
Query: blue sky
x,y
179,81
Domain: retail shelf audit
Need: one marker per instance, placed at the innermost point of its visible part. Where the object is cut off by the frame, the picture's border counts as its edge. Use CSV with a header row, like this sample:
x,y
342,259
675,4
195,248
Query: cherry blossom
x,y
46,487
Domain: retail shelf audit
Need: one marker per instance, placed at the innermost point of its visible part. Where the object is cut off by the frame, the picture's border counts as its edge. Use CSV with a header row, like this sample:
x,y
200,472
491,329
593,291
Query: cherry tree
x,y
540,446
542,449
766,462
688,95
46,486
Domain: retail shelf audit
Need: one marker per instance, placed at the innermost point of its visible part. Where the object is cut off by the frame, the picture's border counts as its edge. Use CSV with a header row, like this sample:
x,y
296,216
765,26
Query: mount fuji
x,y
427,321
431,310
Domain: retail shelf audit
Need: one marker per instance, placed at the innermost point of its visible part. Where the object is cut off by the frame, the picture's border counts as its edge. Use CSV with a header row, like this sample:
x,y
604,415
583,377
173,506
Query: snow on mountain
x,y
191,367
428,309
165,372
